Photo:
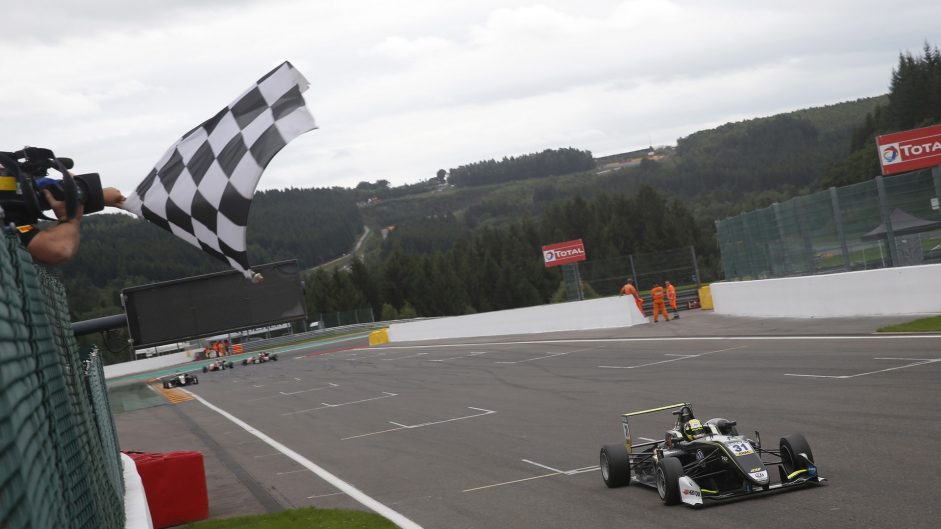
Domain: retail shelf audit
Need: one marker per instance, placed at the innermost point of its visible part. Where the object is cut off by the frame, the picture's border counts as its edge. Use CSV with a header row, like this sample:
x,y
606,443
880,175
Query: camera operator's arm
x,y
113,197
58,243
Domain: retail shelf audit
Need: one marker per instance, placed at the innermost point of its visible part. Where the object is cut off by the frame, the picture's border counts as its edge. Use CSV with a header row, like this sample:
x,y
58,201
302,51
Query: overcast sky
x,y
403,88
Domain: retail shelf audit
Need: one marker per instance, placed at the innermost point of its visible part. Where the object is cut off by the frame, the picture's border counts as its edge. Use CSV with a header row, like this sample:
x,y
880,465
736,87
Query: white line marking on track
x,y
367,501
422,425
913,364
468,355
325,495
291,472
328,386
283,394
407,356
324,405
548,355
679,357
540,465
554,472
512,482
678,339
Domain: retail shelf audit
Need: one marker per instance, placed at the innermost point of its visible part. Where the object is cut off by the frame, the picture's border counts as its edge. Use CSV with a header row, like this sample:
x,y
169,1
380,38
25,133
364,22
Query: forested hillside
x,y
914,101
465,242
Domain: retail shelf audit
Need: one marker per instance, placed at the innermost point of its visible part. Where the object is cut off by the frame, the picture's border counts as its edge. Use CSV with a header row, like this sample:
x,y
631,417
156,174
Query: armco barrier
x,y
886,291
175,483
603,313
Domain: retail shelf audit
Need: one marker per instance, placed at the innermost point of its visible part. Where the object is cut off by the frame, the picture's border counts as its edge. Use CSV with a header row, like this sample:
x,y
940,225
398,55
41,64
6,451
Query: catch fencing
x,y
884,222
59,460
605,277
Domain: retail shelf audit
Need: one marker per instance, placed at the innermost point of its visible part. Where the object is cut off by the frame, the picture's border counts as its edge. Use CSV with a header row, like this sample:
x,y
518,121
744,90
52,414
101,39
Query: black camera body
x,y
25,176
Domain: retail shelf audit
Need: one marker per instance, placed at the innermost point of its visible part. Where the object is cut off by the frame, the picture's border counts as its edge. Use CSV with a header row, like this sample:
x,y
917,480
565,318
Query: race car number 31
x,y
740,448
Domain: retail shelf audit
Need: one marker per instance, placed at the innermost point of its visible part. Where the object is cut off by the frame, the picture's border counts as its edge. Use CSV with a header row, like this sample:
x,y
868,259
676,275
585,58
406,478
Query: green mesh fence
x,y
605,277
893,221
59,463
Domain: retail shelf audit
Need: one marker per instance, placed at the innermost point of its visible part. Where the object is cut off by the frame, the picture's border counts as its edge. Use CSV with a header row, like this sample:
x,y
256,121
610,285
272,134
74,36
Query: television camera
x,y
25,175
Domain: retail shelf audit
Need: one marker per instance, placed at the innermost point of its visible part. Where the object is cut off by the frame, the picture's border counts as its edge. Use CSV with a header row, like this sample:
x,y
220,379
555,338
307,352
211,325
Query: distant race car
x,y
710,461
182,379
260,358
218,365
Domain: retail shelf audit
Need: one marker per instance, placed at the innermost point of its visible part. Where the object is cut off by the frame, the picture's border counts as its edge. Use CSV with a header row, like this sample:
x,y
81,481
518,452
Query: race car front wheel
x,y
669,471
615,465
791,445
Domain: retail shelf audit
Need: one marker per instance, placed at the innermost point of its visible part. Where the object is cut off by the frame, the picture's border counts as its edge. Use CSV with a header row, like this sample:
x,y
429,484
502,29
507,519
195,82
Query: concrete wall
x,y
573,316
887,291
147,364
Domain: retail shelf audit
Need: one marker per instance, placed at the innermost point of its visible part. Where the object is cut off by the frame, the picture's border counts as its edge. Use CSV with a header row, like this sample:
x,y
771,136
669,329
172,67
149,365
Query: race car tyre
x,y
166,385
791,445
205,369
615,465
244,362
274,357
195,380
669,472
231,365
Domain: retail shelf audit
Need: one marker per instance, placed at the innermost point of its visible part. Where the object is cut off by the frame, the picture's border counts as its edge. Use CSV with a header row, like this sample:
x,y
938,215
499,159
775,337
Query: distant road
x,y
345,257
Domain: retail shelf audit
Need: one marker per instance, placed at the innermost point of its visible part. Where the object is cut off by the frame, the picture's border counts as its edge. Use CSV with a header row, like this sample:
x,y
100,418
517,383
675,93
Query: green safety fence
x,y
59,460
884,222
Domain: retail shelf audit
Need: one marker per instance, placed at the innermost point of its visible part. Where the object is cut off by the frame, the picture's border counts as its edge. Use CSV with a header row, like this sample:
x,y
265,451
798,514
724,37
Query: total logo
x,y
890,154
552,255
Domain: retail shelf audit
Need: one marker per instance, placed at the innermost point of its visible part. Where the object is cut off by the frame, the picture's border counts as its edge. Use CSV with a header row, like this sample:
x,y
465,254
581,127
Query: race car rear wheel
x,y
791,445
669,472
274,357
615,465
231,365
205,369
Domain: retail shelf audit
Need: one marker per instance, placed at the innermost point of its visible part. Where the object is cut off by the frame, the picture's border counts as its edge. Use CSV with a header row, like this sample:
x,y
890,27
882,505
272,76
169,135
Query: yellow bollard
x,y
379,337
705,298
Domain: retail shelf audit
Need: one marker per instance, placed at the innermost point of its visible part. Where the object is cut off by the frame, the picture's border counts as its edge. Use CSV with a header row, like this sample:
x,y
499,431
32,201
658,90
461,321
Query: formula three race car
x,y
180,380
698,462
218,365
260,358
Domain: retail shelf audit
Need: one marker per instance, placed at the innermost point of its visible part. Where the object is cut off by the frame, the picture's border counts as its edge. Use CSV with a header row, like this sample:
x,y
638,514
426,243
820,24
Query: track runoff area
x,y
506,432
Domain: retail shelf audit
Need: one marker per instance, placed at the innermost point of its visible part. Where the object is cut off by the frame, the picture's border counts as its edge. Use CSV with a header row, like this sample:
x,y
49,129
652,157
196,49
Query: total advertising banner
x,y
563,253
909,150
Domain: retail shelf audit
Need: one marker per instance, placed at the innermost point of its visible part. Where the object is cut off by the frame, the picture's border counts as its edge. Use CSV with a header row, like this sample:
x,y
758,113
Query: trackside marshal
x,y
563,253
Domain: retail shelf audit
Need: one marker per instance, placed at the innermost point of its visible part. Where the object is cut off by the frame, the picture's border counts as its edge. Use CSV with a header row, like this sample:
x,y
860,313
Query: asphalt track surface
x,y
505,433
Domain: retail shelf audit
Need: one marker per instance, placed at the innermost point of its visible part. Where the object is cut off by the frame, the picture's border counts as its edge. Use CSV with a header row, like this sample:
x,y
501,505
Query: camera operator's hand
x,y
58,207
113,197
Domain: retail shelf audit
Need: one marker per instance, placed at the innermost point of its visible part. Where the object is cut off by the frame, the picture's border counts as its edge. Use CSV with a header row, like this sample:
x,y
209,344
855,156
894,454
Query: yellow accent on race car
x,y
796,472
709,491
7,183
661,408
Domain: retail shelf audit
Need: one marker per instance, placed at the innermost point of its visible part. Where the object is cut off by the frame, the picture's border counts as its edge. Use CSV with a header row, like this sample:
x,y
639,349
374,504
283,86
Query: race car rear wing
x,y
628,442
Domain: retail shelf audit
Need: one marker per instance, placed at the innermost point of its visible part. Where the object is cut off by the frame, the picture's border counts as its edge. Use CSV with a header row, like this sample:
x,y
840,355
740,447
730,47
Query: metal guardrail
x,y
258,345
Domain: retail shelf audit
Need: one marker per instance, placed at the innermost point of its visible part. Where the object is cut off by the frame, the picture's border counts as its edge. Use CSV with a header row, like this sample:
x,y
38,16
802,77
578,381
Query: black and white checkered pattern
x,y
203,186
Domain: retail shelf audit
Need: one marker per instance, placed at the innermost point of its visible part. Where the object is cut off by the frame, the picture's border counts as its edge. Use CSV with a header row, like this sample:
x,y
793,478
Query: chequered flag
x,y
203,186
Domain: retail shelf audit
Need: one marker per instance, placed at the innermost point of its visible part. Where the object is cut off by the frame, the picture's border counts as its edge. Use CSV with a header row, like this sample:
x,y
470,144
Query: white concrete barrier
x,y
600,313
136,508
886,291
147,364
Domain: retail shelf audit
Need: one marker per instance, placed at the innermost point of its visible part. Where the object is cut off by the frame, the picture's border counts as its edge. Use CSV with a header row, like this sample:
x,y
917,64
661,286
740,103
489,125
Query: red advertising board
x,y
909,150
563,253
